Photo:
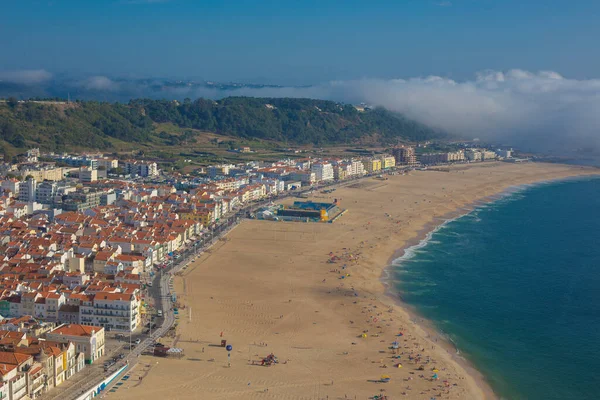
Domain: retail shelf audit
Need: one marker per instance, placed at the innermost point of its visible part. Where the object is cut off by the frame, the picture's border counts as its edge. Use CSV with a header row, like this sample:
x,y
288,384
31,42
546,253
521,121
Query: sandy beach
x,y
312,294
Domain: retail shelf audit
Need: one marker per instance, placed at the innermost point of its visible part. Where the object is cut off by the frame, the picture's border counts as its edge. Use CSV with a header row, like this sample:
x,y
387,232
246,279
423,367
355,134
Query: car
x,y
137,341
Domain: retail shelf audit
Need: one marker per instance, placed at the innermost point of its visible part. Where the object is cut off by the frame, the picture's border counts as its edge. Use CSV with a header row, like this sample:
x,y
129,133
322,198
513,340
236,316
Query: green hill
x,y
109,126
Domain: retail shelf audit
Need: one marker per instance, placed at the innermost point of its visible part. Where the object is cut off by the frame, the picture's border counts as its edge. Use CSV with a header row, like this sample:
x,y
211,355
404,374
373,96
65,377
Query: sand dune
x,y
269,288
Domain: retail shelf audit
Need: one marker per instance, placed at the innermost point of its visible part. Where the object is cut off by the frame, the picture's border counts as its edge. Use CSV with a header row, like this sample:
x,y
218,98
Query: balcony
x,y
37,386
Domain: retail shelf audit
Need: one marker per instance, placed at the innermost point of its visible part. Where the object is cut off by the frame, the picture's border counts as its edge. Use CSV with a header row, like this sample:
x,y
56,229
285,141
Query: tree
x,y
12,102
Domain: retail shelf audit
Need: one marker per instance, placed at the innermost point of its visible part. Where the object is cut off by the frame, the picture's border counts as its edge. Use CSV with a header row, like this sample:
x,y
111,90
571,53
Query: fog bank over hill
x,y
541,110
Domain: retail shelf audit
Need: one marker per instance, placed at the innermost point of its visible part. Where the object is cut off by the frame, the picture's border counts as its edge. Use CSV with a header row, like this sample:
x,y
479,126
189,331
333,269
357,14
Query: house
x,y
87,339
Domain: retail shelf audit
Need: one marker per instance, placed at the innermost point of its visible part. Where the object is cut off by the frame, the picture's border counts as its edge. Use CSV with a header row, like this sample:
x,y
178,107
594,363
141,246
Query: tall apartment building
x,y
487,155
82,200
46,192
88,175
114,311
219,170
323,171
141,168
388,162
473,155
499,152
305,177
27,190
373,165
405,156
108,163
12,185
342,171
357,168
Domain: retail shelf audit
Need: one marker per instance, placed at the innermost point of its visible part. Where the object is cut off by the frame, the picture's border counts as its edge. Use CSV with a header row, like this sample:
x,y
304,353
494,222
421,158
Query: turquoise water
x,y
516,286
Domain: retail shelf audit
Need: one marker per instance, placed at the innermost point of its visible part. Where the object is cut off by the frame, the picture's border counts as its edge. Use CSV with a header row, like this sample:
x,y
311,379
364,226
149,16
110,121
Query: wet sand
x,y
277,287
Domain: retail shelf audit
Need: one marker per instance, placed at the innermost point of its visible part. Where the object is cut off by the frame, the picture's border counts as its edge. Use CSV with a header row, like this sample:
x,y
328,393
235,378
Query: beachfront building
x,y
388,162
88,340
117,311
441,158
373,165
305,211
504,153
307,178
487,155
323,171
357,168
342,171
473,155
405,156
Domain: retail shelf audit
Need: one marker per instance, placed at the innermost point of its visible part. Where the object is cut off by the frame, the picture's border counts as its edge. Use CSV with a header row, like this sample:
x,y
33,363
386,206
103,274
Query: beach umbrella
x,y
364,335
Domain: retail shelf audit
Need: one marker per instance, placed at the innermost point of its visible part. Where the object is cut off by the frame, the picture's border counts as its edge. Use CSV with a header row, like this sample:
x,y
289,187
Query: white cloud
x,y
100,83
537,109
26,76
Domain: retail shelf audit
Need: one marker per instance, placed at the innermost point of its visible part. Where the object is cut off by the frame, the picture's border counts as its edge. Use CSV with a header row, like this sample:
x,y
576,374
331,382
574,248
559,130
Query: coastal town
x,y
85,235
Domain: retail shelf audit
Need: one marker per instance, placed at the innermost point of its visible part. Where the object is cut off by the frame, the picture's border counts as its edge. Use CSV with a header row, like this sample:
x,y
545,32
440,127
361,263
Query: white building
x,y
141,168
473,155
117,311
27,190
88,340
357,167
88,175
504,153
323,171
12,185
46,192
108,163
217,170
488,155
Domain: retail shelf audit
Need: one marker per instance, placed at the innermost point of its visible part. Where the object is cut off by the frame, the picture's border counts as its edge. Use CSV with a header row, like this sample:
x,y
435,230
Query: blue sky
x,y
299,42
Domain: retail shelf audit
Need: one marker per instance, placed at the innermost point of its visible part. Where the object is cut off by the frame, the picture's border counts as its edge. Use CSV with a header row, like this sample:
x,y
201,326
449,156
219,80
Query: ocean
x,y
515,285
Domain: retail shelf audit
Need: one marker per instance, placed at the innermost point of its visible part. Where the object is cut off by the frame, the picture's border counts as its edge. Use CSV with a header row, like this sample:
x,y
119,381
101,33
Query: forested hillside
x,y
95,125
